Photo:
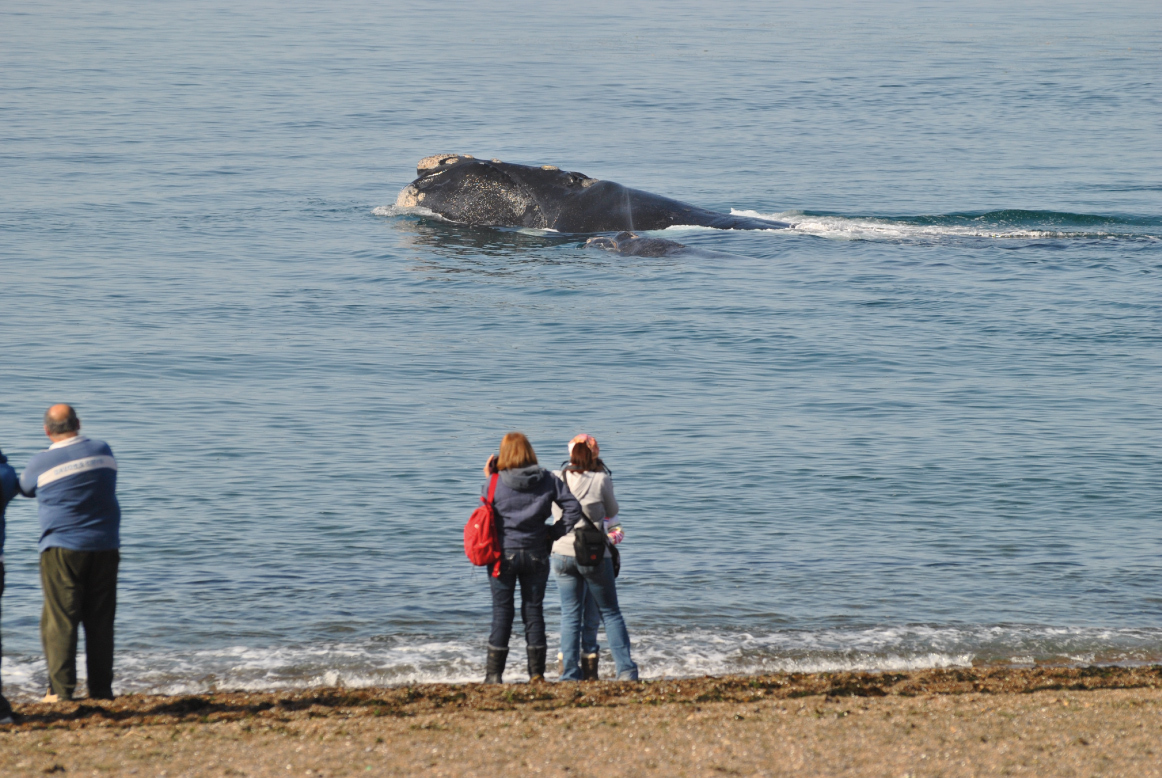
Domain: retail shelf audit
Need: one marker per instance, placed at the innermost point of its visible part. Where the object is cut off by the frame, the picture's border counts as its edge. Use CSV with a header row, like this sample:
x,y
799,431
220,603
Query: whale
x,y
633,245
464,190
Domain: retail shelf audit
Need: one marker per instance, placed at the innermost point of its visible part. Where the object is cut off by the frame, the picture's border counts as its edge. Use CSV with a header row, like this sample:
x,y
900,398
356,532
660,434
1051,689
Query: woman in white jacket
x,y
589,481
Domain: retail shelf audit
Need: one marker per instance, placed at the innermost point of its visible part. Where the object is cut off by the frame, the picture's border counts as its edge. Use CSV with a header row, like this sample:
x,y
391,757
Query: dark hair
x,y
583,460
57,426
515,451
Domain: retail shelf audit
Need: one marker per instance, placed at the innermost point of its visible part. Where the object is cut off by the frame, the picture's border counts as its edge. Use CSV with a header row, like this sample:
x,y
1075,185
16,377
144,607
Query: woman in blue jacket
x,y
525,494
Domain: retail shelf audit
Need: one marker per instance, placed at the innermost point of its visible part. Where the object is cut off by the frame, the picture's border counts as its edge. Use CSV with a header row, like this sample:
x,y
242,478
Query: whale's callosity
x,y
465,190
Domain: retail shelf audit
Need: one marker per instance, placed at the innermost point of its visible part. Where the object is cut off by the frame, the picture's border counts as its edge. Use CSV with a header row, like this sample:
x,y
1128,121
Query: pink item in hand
x,y
613,530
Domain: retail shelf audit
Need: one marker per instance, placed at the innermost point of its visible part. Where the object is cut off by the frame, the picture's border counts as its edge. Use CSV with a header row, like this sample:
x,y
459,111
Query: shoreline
x,y
414,699
1035,721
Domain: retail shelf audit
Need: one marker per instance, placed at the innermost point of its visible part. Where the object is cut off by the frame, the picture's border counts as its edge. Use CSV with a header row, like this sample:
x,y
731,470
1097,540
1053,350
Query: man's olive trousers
x,y
80,587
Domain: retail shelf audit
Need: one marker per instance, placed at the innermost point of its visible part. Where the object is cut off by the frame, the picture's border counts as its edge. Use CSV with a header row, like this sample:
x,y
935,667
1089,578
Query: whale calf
x,y
632,245
479,193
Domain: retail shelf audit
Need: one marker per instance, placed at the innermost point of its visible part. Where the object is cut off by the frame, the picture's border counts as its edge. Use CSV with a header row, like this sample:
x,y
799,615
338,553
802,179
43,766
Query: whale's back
x,y
492,193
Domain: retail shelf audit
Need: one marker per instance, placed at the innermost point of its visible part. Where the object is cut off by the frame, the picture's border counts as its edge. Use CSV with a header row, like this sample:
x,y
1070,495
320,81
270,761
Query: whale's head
x,y
466,190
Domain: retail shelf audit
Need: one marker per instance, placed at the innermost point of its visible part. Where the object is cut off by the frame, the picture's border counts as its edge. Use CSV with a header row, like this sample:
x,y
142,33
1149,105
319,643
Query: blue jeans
x,y
574,581
590,621
531,569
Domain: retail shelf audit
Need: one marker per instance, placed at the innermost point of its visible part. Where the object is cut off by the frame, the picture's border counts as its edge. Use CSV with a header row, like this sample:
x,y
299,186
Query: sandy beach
x,y
1062,721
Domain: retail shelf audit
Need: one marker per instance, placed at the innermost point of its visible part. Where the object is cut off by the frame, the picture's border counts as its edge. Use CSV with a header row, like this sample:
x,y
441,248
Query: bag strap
x,y
565,477
492,490
614,554
601,530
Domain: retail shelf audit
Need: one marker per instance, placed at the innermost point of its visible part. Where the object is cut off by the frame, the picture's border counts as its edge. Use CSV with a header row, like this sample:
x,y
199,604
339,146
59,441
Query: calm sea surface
x,y
923,428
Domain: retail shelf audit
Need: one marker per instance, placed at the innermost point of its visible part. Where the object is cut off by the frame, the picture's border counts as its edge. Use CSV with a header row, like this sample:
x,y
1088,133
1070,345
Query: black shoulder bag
x,y
590,542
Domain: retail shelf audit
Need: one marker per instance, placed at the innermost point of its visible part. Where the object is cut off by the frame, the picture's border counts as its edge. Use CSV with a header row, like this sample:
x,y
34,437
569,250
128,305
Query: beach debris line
x,y
139,709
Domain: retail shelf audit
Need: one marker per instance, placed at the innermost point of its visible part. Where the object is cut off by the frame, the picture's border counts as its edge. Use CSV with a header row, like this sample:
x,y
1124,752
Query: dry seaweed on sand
x,y
404,701
982,721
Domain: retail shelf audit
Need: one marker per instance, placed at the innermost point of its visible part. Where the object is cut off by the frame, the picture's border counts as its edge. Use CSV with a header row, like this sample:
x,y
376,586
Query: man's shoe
x,y
7,719
51,697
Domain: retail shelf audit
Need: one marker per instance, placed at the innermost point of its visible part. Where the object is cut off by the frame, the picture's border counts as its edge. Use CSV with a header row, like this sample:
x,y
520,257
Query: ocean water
x,y
922,428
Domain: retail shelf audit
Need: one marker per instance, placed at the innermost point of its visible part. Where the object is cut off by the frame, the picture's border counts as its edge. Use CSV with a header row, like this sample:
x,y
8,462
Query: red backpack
x,y
482,535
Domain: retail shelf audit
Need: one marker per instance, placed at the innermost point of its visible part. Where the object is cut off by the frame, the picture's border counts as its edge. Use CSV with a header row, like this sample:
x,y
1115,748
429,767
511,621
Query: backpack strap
x,y
494,570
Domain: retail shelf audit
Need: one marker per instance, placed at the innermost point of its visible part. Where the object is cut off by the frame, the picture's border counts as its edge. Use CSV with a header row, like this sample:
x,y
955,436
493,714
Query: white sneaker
x,y
7,720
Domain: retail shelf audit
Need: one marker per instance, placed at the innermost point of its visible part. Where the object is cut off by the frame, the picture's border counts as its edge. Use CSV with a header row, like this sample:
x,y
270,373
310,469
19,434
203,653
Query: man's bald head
x,y
61,420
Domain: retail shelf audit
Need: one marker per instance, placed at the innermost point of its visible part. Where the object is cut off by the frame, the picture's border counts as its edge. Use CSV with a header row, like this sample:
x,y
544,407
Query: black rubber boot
x,y
494,670
537,663
589,667
7,716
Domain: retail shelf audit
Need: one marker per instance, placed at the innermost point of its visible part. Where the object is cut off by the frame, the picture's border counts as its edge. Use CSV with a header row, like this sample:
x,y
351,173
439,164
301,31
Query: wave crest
x,y
661,653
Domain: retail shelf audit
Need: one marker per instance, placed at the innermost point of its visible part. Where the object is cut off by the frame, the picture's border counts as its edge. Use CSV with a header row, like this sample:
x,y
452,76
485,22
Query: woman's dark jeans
x,y
531,568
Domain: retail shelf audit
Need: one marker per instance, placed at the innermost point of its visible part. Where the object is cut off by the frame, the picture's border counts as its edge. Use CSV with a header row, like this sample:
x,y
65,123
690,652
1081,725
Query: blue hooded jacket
x,y
8,490
524,499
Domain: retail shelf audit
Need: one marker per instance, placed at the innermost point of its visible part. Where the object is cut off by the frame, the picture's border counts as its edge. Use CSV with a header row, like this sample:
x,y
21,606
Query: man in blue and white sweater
x,y
8,489
75,484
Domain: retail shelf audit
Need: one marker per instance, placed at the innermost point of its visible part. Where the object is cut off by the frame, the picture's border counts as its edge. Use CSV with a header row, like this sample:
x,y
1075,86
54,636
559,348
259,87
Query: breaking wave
x,y
398,660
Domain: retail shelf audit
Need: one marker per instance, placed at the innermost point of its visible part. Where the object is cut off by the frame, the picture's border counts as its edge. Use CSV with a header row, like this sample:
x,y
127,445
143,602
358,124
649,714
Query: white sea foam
x,y
870,228
863,228
670,653
396,210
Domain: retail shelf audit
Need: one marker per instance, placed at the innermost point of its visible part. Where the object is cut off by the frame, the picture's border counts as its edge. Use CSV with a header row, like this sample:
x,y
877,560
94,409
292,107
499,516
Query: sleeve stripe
x,y
75,467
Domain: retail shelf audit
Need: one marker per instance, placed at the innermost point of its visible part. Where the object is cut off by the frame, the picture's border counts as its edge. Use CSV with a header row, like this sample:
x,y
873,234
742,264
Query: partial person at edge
x,y
9,488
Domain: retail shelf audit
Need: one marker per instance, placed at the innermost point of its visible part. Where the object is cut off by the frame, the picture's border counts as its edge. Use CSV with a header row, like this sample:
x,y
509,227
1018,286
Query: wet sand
x,y
1061,722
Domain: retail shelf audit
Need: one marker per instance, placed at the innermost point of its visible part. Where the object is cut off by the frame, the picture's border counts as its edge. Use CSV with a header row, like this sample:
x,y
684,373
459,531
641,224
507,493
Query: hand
x,y
490,465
